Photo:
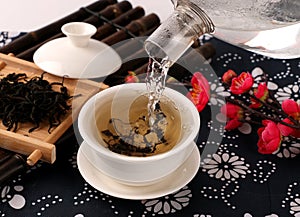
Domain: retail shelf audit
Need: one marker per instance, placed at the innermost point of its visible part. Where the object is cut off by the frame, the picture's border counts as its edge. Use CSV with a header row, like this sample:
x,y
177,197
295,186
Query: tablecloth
x,y
262,185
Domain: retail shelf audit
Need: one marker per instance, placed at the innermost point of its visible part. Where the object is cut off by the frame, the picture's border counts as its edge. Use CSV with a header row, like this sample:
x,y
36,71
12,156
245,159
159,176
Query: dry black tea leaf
x,y
32,100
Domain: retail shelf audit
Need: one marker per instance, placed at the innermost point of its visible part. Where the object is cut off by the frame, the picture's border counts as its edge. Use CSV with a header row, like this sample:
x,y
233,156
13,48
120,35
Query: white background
x,y
29,15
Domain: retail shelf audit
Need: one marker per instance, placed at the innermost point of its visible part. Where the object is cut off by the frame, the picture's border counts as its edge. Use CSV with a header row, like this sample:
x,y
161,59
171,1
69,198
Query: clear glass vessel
x,y
235,21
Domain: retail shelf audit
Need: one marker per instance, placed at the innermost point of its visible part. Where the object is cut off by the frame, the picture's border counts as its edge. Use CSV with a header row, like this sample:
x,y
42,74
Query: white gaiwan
x,y
77,55
130,170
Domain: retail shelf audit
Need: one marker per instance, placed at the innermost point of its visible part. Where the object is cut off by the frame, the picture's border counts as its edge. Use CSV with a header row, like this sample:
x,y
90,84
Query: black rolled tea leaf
x,y
24,100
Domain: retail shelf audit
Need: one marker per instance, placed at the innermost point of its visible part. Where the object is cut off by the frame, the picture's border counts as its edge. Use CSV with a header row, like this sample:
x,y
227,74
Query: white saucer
x,y
60,57
170,184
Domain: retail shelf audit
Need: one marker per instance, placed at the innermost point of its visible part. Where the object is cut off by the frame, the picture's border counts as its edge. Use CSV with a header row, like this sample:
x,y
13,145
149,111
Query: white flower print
x,y
289,148
170,203
257,73
6,37
263,170
292,199
226,167
73,160
10,195
295,207
218,94
245,128
202,215
249,215
290,91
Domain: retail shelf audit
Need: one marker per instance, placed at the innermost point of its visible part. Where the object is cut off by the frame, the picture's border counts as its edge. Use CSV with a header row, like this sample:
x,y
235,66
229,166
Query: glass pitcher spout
x,y
178,32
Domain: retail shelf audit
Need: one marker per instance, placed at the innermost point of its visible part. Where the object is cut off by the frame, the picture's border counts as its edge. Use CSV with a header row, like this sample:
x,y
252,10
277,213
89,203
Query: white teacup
x,y
133,170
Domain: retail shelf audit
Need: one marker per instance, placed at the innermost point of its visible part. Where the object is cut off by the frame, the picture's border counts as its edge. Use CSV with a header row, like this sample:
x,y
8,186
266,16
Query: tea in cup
x,y
123,146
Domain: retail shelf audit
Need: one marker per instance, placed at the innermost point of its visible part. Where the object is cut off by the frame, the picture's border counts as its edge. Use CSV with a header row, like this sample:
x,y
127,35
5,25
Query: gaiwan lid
x,y
77,55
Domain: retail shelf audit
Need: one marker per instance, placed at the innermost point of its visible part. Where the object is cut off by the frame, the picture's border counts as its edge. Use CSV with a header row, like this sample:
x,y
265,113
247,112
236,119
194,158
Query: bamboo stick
x,y
26,145
110,12
108,29
2,64
134,48
4,155
138,27
34,157
207,50
134,61
141,70
12,166
131,52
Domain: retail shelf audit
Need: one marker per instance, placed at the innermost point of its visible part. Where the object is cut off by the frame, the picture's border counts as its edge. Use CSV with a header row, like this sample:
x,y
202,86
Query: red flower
x,y
288,131
269,137
234,113
199,94
228,76
291,108
242,83
262,93
131,77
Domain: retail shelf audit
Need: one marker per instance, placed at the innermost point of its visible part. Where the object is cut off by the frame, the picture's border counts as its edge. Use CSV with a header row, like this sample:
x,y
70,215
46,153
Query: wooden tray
x,y
26,143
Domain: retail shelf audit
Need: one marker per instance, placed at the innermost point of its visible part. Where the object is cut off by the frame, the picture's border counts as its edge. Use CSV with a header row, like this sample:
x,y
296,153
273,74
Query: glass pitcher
x,y
223,18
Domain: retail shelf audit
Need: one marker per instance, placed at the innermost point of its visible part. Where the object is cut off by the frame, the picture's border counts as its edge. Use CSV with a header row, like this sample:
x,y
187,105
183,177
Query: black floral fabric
x,y
235,180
